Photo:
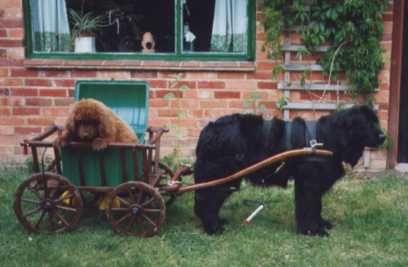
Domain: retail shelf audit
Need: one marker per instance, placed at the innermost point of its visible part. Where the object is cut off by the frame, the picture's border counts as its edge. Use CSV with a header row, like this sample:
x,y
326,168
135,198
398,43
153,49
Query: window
x,y
142,29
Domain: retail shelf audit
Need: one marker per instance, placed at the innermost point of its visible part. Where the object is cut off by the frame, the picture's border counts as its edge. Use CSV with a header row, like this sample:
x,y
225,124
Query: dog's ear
x,y
70,121
106,127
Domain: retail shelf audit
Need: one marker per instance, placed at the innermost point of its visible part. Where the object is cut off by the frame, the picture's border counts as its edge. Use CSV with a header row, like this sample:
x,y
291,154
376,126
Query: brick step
x,y
302,67
297,86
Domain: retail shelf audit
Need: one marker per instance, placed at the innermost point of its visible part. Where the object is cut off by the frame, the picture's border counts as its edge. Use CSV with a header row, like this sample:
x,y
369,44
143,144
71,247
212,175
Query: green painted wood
x,y
129,100
92,171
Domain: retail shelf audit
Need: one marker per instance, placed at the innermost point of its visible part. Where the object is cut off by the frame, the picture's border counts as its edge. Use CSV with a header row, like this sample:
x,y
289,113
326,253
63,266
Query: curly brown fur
x,y
91,121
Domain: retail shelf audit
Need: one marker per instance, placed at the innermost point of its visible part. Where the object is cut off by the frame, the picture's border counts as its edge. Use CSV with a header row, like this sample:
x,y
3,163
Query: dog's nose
x,y
381,138
149,45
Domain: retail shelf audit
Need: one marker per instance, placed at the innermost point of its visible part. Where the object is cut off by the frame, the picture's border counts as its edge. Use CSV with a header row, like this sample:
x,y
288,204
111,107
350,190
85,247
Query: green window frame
x,y
178,55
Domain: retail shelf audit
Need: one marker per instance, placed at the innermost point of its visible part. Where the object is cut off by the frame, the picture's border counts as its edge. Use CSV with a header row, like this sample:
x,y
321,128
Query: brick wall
x,y
184,95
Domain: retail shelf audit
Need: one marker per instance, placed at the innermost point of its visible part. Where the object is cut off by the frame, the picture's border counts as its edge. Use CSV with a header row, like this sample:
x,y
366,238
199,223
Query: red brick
x,y
265,65
63,101
5,111
23,73
38,82
10,43
11,121
53,92
211,85
27,130
83,73
157,103
55,73
144,74
40,121
65,83
227,94
3,72
3,33
3,101
26,111
169,113
11,23
42,102
158,84
213,104
55,112
16,33
164,93
183,84
267,85
231,75
13,82
260,75
24,92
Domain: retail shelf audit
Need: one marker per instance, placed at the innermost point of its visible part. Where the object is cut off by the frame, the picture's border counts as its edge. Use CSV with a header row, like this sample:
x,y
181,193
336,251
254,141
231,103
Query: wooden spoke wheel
x,y
136,209
48,203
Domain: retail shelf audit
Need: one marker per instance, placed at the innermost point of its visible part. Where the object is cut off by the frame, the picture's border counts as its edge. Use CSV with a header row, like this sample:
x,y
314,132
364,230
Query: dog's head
x,y
363,127
356,128
85,120
148,43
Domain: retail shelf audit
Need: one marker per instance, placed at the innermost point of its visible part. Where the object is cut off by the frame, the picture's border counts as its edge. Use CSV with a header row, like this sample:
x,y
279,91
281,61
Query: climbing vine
x,y
352,28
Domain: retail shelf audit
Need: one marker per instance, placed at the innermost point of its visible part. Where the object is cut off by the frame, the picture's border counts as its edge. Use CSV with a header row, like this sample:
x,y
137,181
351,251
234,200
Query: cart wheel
x,y
141,211
48,203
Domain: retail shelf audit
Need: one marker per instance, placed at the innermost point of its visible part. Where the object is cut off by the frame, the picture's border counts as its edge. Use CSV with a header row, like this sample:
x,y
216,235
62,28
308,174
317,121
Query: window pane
x,y
107,25
215,26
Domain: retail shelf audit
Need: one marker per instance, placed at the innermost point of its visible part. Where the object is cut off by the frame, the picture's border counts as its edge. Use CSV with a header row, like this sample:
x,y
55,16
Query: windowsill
x,y
239,66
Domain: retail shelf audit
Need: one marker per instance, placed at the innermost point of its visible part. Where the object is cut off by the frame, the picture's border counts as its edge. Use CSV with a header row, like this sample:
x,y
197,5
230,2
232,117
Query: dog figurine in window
x,y
148,43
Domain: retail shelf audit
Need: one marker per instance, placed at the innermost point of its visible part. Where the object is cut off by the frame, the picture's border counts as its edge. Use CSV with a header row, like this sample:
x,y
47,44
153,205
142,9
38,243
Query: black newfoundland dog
x,y
237,141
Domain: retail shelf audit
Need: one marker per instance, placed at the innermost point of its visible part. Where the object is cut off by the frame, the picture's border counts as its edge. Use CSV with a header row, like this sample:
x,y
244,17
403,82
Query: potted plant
x,y
83,30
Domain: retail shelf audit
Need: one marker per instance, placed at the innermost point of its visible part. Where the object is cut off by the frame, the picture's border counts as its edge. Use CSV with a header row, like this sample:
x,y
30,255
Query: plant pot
x,y
85,44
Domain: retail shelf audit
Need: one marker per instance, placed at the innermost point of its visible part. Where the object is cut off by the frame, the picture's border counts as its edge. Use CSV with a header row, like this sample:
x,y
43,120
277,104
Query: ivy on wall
x,y
352,28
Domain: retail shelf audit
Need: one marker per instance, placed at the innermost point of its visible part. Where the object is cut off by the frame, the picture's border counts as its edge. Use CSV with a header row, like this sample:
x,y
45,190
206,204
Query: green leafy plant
x,y
352,28
84,24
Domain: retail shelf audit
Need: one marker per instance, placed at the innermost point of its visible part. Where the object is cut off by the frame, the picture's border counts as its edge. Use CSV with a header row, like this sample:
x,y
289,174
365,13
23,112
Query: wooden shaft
x,y
253,168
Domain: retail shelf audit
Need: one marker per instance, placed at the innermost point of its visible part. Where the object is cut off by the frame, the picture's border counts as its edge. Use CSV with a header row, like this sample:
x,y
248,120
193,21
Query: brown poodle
x,y
91,121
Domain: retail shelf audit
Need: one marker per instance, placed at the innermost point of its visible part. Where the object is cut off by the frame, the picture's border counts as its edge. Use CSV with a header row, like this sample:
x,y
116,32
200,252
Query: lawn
x,y
371,217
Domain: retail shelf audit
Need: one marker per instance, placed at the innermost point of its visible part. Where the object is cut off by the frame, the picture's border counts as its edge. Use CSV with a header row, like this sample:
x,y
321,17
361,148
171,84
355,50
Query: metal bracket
x,y
315,145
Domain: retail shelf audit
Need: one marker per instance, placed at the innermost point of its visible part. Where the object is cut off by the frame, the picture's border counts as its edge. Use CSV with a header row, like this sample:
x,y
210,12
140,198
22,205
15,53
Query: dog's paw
x,y
99,144
326,224
214,229
314,232
60,142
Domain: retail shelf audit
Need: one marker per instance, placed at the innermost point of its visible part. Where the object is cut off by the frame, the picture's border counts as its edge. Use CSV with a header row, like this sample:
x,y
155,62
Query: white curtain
x,y
50,26
229,32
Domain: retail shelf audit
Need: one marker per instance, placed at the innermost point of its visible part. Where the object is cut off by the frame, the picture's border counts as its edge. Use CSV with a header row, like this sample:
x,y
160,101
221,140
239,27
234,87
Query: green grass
x,y
371,218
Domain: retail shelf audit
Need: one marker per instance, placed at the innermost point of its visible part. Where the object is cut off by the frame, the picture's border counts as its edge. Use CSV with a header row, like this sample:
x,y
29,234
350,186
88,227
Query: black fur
x,y
237,141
